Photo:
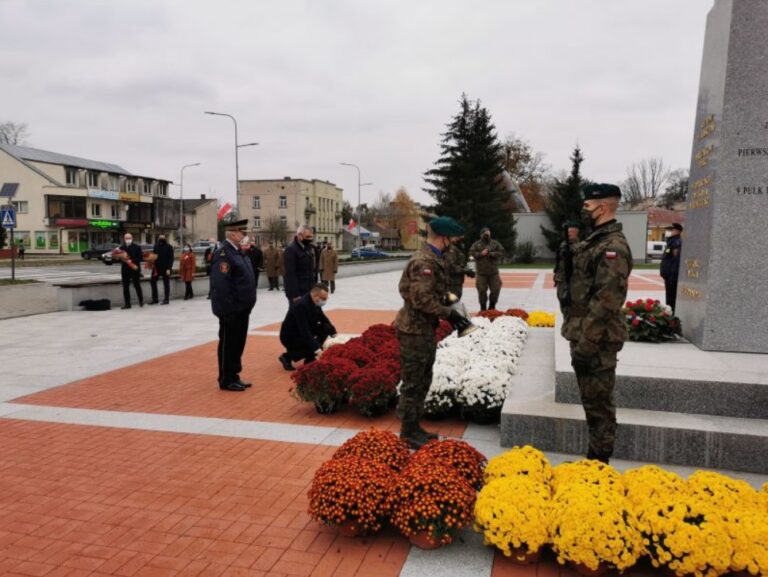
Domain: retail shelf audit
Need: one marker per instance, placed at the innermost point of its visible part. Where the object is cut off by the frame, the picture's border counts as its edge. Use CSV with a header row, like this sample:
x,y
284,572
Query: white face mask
x,y
186,249
321,302
668,234
128,241
246,240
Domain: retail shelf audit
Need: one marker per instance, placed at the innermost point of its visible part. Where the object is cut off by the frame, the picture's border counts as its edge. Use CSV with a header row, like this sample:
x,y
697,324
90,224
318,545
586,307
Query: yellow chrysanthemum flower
x,y
541,319
523,461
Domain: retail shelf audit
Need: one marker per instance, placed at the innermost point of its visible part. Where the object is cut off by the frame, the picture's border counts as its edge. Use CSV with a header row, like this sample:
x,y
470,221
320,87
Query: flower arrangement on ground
x,y
351,491
589,472
650,321
353,350
650,484
431,499
373,388
337,340
541,319
458,455
323,382
524,461
490,314
378,335
379,446
517,313
513,513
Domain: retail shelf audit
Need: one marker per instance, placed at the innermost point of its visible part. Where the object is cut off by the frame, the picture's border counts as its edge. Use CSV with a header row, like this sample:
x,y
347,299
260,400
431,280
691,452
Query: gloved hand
x,y
470,273
581,365
458,322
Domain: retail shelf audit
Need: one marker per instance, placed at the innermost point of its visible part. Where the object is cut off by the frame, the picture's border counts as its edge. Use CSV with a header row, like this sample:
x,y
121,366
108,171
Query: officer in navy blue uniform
x,y
670,262
233,294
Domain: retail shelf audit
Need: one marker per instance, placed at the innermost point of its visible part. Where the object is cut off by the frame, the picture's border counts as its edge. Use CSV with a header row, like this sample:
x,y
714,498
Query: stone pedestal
x,y
723,280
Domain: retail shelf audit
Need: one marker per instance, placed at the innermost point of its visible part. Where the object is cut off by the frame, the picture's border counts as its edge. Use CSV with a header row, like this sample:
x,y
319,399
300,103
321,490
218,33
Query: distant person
x,y
318,248
232,299
455,262
670,262
187,268
305,328
256,256
329,266
130,263
564,264
299,263
272,265
162,269
22,249
488,254
207,257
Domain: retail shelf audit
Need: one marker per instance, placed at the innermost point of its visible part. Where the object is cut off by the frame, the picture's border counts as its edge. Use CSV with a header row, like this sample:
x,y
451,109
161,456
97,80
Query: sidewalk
x,y
122,457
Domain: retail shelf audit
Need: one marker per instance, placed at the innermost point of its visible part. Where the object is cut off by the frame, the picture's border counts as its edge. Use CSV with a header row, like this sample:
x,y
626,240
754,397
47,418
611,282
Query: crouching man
x,y
305,328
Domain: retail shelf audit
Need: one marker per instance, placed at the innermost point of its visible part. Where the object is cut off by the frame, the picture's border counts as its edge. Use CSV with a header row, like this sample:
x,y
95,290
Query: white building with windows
x,y
291,202
66,204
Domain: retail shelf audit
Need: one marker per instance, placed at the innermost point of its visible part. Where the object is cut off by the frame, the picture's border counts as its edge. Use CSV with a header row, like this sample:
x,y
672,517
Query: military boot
x,y
597,457
427,434
413,435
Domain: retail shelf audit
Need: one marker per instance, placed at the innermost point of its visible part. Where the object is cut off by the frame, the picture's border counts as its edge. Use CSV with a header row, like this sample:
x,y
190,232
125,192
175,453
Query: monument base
x,y
676,405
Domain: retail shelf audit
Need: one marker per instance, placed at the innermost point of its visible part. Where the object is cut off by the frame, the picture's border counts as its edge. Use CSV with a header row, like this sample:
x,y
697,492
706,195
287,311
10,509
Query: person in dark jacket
x,y
130,269
670,262
233,294
299,261
256,256
162,269
207,258
305,328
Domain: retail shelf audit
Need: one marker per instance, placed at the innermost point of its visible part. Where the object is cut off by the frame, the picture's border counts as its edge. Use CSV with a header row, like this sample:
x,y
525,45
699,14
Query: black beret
x,y
237,225
596,191
573,224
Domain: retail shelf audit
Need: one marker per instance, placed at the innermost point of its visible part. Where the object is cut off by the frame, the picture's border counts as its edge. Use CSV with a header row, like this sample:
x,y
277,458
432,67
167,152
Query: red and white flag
x,y
352,224
224,210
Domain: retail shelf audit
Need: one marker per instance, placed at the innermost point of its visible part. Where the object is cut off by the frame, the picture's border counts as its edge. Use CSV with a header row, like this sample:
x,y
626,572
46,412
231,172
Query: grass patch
x,y
9,282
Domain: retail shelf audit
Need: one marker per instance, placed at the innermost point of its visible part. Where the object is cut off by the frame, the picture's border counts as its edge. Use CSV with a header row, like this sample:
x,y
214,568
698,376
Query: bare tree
x,y
523,164
13,132
276,230
645,179
676,189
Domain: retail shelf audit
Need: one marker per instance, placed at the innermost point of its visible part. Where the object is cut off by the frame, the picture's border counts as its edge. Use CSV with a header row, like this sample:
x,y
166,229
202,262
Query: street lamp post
x,y
181,204
237,148
359,186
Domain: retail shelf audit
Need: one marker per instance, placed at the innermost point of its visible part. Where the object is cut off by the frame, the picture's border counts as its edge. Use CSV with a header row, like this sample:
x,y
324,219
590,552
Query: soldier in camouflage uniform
x,y
564,264
487,254
423,287
455,262
594,325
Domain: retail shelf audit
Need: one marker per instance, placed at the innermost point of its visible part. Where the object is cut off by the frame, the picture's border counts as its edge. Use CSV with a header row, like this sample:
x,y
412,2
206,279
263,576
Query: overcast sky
x,y
372,83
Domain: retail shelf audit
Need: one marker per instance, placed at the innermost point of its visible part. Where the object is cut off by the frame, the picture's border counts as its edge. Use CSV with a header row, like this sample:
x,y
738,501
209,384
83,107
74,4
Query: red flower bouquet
x,y
517,313
379,446
323,383
379,335
351,492
373,388
431,499
458,455
491,315
353,350
648,320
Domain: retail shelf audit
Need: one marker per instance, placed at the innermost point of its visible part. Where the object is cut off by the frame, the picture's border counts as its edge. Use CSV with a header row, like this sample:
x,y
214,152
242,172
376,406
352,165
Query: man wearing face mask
x,y
233,294
162,269
130,270
670,262
299,265
487,254
595,327
424,288
455,262
305,328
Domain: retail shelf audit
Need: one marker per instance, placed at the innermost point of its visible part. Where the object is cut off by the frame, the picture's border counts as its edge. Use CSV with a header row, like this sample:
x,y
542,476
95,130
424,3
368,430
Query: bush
x,y
525,252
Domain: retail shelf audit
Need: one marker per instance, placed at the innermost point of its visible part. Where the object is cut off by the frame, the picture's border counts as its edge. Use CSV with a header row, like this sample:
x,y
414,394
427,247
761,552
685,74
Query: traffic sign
x,y
8,218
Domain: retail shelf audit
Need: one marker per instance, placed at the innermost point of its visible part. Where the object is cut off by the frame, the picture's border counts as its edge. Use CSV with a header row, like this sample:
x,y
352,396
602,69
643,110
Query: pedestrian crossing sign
x,y
8,218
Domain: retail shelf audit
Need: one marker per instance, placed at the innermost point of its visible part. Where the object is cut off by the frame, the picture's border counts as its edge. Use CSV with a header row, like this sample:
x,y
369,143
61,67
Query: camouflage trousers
x,y
596,388
417,355
485,282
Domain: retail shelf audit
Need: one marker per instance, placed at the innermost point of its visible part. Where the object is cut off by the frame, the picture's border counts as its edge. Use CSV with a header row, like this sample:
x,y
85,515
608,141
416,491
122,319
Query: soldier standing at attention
x,y
670,262
424,289
564,265
233,294
595,327
487,254
456,266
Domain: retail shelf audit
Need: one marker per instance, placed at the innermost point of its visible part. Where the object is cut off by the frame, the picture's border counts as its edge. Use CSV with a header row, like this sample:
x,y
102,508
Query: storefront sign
x,y
105,194
70,222
130,196
104,224
126,225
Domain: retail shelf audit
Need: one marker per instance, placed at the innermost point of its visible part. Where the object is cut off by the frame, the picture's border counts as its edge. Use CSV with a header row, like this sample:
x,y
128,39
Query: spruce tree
x,y
466,181
565,201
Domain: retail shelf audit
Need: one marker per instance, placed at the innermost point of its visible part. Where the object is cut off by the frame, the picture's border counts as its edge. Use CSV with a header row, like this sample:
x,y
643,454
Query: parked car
x,y
369,252
201,246
98,249
655,249
106,257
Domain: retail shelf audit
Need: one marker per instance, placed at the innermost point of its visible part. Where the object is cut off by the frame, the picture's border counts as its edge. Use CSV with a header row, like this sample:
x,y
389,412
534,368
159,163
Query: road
x,y
57,273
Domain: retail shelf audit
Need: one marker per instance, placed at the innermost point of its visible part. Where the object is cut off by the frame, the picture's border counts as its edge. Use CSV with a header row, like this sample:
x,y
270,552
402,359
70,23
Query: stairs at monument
x,y
673,408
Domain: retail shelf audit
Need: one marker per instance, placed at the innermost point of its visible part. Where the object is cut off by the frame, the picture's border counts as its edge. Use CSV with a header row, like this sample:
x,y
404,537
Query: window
x,y
93,179
256,222
130,185
66,207
256,202
114,182
283,202
95,209
113,210
284,220
162,189
71,175
147,189
21,206
307,199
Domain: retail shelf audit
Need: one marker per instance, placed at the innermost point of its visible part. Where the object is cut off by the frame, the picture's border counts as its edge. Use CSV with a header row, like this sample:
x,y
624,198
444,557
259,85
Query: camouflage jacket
x,y
423,287
488,264
601,267
455,263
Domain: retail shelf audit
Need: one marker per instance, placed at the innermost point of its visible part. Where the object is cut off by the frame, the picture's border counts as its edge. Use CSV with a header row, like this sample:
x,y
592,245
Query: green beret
x,y
573,224
596,191
446,226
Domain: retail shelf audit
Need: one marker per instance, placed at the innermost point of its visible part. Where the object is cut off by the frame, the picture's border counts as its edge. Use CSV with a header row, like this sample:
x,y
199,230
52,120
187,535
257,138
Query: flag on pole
x,y
352,224
224,210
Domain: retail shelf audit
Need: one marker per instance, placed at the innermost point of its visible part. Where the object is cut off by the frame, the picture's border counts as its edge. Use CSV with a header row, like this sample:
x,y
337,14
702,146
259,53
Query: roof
x,y
37,155
664,217
194,203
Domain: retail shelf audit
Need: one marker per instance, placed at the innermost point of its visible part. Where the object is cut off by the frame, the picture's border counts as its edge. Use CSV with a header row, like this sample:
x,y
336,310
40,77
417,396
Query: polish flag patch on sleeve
x,y
427,272
610,254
